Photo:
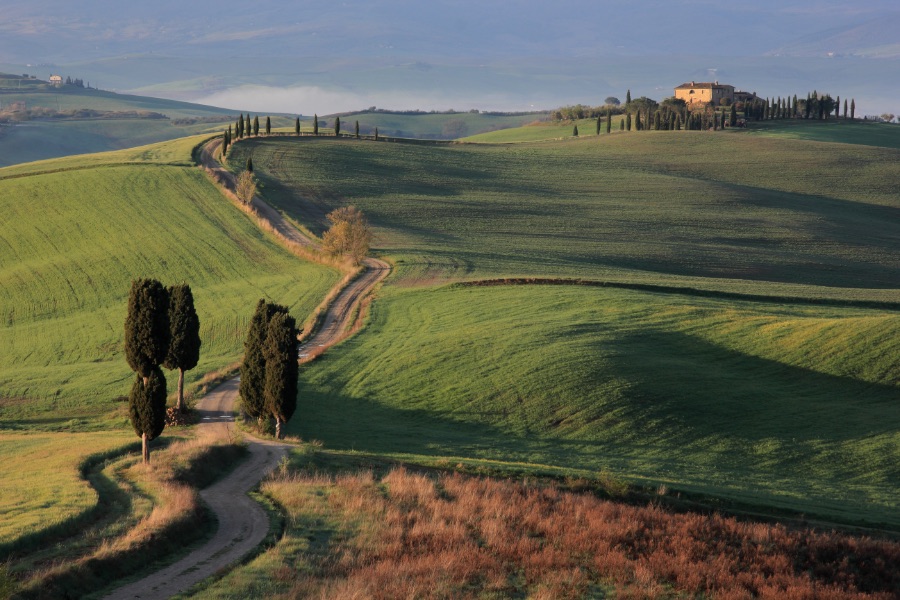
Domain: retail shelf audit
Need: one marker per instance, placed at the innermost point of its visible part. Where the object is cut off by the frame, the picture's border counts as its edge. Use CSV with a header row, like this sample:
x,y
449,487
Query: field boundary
x,y
681,290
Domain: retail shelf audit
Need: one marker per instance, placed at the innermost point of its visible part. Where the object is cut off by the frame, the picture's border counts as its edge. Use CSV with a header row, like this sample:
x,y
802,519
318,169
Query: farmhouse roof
x,y
702,85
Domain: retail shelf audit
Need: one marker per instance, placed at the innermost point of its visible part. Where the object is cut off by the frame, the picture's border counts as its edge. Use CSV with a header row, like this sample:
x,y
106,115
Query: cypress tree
x,y
147,337
845,108
628,122
628,98
837,107
598,124
621,124
268,126
250,163
575,131
147,408
256,125
253,367
732,119
281,372
184,325
376,134
337,127
657,121
240,126
147,331
356,130
297,126
852,108
609,121
678,122
637,121
224,142
315,124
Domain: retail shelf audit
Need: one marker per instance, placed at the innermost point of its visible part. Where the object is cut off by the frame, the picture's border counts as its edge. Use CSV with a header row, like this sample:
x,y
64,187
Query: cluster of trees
x,y
349,234
161,328
270,370
76,82
815,106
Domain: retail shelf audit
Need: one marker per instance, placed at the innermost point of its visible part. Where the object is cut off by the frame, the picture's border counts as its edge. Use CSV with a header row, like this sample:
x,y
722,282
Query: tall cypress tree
x,y
297,126
147,337
240,126
637,121
837,107
268,126
628,98
337,127
281,371
250,163
628,122
845,108
256,125
732,119
609,121
147,408
253,367
184,325
376,134
315,124
852,108
598,124
356,130
224,142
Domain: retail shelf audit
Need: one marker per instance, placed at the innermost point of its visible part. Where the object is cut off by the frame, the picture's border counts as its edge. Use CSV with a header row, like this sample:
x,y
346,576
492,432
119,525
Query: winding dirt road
x,y
243,524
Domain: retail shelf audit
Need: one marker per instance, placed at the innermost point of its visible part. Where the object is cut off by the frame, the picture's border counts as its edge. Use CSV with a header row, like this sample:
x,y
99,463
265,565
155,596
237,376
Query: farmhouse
x,y
704,93
56,80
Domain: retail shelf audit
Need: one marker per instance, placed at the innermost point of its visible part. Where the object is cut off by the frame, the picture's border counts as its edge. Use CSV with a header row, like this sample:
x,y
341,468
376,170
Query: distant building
x,y
704,93
56,80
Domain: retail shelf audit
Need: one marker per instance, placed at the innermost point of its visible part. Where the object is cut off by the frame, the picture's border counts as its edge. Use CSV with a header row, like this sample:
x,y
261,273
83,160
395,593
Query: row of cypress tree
x,y
161,328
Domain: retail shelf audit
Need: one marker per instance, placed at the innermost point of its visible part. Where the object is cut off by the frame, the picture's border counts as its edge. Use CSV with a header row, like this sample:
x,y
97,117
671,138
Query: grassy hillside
x,y
773,404
788,405
77,231
680,207
444,126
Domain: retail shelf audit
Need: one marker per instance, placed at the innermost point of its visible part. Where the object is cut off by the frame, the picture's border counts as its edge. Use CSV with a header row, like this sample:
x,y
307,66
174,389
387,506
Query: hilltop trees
x,y
297,126
184,345
268,126
256,125
147,337
269,370
337,127
315,124
349,234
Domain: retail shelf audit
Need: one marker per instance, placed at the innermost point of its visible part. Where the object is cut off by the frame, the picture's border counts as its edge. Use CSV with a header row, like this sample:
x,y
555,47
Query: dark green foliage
x,y
609,121
184,346
575,131
845,108
297,126
732,119
357,130
637,121
598,125
268,126
253,367
147,404
852,108
256,125
657,121
240,126
147,326
281,370
315,124
337,126
250,164
628,122
376,134
628,97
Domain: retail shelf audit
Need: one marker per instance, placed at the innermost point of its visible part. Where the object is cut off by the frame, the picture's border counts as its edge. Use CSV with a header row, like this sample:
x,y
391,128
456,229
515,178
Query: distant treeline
x,y
77,113
198,120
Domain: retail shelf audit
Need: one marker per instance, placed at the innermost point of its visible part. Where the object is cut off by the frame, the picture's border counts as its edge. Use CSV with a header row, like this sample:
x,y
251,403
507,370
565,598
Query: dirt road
x,y
243,524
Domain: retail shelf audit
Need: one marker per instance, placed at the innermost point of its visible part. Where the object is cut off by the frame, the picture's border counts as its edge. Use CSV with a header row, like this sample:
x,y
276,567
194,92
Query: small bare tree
x,y
349,234
245,189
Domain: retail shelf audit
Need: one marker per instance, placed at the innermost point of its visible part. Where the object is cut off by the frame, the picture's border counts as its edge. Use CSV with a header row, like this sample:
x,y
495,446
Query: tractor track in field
x,y
242,523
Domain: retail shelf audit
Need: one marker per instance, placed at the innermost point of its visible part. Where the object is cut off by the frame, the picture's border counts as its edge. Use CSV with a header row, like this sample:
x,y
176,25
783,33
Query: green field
x,y
77,231
444,126
732,212
780,403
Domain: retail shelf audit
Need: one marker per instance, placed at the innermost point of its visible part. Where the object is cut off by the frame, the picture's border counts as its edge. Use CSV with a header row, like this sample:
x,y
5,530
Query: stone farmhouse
x,y
56,80
699,94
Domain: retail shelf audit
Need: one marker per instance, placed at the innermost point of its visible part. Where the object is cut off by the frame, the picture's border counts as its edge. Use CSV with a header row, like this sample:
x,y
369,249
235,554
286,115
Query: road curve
x,y
243,524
